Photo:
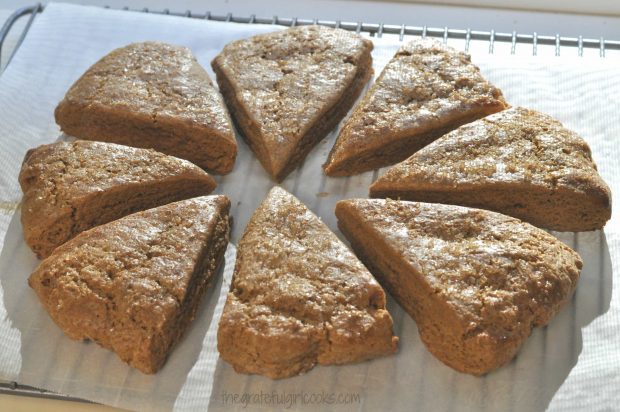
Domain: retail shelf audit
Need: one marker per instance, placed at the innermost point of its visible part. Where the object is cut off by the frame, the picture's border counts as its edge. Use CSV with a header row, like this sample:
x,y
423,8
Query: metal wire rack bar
x,y
8,24
373,29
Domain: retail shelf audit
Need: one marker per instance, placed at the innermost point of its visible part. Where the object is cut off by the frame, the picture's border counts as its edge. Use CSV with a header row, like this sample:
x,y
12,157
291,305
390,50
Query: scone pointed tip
x,y
334,168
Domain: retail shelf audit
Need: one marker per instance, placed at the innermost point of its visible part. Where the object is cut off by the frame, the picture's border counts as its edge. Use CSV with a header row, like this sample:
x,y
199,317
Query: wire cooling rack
x,y
560,45
509,42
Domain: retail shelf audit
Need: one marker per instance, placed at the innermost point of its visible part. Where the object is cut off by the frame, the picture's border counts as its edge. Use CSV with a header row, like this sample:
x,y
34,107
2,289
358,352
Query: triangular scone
x,y
299,297
152,95
71,187
426,90
519,162
134,285
286,90
476,282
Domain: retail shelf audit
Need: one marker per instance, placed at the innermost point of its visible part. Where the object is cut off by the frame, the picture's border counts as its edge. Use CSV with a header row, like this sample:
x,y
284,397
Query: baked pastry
x,y
152,95
71,187
134,285
299,297
426,90
518,162
476,282
287,89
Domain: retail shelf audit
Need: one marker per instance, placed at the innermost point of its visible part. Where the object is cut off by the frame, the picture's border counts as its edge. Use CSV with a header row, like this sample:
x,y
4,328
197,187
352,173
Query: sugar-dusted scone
x,y
134,285
518,162
299,297
426,90
286,90
152,95
71,187
476,282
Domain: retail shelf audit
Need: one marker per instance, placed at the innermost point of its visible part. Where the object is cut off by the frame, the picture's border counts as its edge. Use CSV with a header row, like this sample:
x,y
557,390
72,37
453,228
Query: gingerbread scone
x,y
426,90
71,187
288,89
152,95
518,162
299,297
476,282
134,285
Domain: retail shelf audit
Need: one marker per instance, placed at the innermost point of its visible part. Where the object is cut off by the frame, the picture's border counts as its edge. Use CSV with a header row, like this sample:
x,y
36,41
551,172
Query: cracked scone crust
x,y
299,297
152,95
286,90
476,282
71,187
519,162
134,285
426,90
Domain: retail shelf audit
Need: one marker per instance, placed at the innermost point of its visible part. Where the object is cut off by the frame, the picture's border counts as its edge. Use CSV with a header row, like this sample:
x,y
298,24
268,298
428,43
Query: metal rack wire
x,y
559,44
30,11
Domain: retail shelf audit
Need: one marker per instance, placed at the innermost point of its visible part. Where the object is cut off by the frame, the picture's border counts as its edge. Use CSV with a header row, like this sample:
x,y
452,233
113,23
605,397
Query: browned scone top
x,y
152,95
71,187
299,297
134,285
518,162
287,89
426,90
476,282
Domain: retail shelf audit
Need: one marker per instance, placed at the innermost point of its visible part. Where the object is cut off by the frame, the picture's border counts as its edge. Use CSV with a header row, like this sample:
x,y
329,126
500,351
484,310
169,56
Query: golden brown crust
x,y
476,282
518,162
286,90
426,90
71,187
134,285
152,95
299,297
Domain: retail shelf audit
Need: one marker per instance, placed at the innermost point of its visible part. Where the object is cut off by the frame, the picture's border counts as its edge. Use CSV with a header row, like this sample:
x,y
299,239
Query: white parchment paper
x,y
572,364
